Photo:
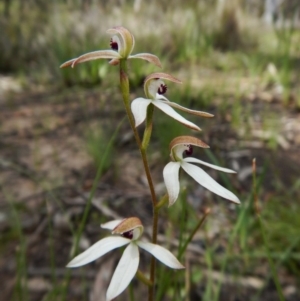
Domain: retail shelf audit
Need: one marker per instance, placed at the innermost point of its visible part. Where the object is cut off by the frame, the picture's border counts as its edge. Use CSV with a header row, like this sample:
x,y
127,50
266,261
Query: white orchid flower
x,y
183,144
122,44
130,230
154,88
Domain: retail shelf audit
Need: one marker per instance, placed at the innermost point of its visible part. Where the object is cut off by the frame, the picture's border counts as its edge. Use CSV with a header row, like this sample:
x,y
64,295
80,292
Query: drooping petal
x,y
95,55
112,224
194,160
171,178
147,57
124,272
127,40
193,112
139,109
200,176
171,112
162,254
97,250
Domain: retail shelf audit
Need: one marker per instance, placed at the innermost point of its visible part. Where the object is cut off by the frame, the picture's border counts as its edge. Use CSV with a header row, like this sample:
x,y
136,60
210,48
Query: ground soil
x,y
47,175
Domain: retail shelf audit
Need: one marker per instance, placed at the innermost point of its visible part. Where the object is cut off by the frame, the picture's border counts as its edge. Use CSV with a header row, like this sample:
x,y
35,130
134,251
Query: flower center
x,y
189,150
113,45
128,234
162,89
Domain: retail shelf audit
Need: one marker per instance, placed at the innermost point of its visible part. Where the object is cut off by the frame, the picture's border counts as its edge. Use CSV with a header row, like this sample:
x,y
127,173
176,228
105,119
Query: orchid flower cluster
x,y
128,232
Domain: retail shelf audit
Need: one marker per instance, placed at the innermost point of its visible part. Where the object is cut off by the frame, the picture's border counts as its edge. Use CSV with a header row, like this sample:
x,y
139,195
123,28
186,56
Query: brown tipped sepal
x,y
187,140
132,225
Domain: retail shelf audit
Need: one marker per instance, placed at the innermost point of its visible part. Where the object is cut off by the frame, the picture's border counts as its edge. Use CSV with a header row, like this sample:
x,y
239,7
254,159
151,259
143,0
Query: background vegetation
x,y
62,144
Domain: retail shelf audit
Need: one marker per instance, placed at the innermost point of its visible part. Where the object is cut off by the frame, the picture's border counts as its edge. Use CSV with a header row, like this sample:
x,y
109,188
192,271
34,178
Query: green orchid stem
x,y
149,126
124,83
200,223
143,278
161,203
145,143
153,260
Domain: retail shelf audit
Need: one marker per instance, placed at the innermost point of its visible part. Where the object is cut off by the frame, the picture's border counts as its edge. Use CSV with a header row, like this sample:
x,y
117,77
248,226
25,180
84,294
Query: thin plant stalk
x,y
263,232
21,290
197,227
88,207
184,247
124,83
245,208
51,249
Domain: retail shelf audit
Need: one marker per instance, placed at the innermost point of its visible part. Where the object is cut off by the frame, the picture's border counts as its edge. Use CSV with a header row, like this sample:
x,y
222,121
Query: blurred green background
x,y
59,148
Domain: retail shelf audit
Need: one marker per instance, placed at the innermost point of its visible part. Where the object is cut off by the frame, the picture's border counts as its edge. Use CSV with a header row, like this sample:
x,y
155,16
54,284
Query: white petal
x,y
171,112
139,109
194,112
162,254
97,250
200,176
124,272
177,106
112,224
171,178
194,160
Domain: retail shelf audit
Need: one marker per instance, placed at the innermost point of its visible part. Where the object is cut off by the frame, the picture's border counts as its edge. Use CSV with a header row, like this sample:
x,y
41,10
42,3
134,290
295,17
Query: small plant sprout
x,y
122,44
154,88
128,232
184,144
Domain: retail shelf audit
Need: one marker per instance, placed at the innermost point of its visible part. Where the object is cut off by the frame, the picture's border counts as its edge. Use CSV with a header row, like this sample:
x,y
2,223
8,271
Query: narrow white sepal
x,y
162,254
171,178
200,176
184,109
112,224
194,160
139,109
98,54
172,113
124,272
147,57
97,250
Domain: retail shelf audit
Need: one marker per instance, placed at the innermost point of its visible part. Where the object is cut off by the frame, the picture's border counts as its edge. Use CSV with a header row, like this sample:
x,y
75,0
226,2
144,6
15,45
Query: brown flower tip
x,y
187,140
128,224
162,75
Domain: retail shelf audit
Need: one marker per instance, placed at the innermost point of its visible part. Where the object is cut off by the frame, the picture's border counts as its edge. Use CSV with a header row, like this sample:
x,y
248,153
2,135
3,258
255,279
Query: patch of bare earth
x,y
47,175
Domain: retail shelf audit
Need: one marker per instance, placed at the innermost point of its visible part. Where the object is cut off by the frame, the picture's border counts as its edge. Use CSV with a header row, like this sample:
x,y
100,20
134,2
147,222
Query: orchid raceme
x,y
122,44
130,231
184,144
154,88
